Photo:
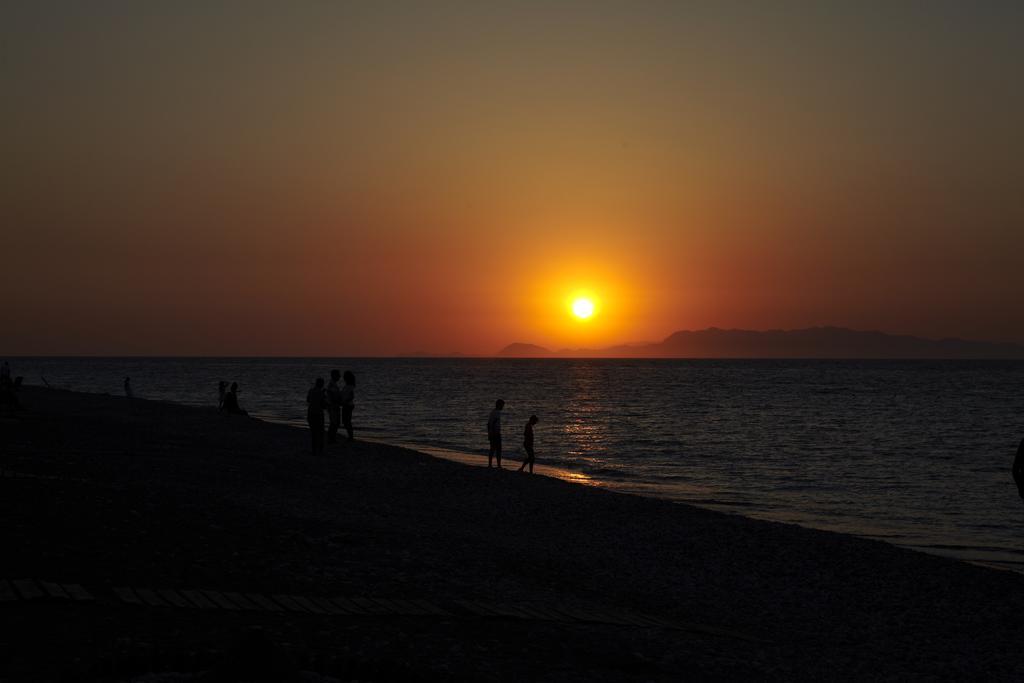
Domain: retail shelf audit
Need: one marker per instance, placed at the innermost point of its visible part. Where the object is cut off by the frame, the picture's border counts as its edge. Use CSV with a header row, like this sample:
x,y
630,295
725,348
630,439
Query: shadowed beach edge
x,y
653,491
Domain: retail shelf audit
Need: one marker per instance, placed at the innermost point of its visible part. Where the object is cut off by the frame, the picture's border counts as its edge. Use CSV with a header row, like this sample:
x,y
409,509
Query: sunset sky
x,y
320,178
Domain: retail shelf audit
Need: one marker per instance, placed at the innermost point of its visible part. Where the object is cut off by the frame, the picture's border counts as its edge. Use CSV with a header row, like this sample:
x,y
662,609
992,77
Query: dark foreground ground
x,y
146,494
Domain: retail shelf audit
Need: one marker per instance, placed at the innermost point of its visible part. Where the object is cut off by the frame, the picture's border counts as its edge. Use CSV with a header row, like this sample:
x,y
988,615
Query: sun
x,y
582,308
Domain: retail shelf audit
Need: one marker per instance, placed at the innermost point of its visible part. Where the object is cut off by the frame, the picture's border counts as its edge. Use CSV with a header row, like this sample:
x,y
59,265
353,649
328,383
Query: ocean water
x,y
916,453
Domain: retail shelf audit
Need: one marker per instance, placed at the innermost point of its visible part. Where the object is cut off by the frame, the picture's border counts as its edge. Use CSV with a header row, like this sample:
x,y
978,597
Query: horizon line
x,y
545,353
555,356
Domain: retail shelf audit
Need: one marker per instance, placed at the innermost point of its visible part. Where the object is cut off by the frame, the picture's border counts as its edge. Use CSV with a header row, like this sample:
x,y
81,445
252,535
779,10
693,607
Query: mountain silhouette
x,y
812,342
520,350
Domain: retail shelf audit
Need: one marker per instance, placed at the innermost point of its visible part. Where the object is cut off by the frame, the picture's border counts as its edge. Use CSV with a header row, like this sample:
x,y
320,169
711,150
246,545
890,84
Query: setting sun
x,y
583,308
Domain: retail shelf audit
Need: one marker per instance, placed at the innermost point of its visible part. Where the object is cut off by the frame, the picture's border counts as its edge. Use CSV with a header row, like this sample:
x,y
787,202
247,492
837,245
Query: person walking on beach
x,y
334,406
348,402
128,387
494,433
528,444
317,402
1018,469
231,406
222,391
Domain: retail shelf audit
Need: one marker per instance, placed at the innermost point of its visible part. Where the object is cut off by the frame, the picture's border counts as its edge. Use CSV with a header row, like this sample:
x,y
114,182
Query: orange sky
x,y
333,181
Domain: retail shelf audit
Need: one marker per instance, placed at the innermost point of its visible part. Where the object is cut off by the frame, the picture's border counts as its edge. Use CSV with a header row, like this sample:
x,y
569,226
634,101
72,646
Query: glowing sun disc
x,y
583,308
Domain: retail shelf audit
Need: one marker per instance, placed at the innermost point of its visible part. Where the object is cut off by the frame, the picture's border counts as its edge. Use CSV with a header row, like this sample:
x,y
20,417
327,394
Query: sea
x,y
915,453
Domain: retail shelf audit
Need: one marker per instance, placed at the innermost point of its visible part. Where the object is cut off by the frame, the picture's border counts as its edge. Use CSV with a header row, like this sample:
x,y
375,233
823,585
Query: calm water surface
x,y
917,453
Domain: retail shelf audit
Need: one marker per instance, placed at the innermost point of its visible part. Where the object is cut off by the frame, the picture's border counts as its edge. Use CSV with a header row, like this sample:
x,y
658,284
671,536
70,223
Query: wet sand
x,y
139,493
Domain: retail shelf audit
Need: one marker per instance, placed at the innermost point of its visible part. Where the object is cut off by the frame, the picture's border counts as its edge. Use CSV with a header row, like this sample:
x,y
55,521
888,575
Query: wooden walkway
x,y
20,591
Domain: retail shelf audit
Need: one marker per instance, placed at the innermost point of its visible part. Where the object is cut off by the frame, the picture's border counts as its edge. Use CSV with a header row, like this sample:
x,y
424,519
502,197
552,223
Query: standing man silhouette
x,y
315,415
494,433
1018,469
334,406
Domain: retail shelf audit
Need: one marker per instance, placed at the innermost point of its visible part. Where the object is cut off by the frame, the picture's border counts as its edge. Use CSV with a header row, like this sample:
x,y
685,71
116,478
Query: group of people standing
x,y
338,401
229,399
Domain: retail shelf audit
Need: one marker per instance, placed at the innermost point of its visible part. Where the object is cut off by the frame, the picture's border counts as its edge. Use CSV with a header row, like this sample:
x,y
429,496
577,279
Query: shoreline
x,y
659,491
155,494
1015,566
654,491
933,481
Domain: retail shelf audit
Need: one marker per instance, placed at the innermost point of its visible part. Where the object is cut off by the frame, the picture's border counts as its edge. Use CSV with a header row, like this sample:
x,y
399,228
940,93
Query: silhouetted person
x,y
222,391
128,387
528,444
494,433
348,402
8,389
1018,469
231,406
317,400
334,406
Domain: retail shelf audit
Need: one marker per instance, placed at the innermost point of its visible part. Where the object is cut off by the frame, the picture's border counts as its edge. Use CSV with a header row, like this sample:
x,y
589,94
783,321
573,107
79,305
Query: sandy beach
x,y
105,493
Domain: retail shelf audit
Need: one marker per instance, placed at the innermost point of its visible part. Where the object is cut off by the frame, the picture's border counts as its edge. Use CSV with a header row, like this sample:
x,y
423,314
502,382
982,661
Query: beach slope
x,y
515,577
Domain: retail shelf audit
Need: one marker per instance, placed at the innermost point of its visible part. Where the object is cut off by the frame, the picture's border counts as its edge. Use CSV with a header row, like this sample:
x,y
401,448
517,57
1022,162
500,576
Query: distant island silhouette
x,y
431,354
520,350
812,342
